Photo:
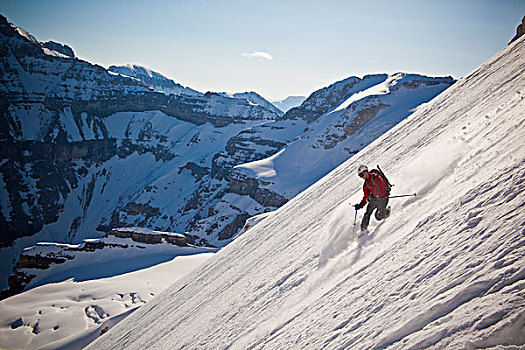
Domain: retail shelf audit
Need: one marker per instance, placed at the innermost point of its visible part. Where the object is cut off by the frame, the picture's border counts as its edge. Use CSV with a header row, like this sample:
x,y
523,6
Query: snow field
x,y
70,315
446,270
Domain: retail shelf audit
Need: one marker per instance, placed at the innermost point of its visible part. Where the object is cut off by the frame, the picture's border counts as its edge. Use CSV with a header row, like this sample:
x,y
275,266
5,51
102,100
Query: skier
x,y
377,191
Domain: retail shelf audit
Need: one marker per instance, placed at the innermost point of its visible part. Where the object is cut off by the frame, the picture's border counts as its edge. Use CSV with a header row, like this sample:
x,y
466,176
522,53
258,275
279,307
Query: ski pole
x,y
355,220
404,195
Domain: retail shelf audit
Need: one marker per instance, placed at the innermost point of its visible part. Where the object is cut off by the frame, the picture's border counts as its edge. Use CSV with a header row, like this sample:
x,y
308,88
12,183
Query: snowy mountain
x,y
445,270
289,103
160,83
154,80
72,133
361,110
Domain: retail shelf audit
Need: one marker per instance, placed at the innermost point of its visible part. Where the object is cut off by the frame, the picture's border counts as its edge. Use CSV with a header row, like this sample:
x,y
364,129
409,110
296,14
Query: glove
x,y
358,206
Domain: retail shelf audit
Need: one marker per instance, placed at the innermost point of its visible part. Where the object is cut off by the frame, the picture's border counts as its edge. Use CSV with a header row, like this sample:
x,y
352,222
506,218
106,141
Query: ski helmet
x,y
362,169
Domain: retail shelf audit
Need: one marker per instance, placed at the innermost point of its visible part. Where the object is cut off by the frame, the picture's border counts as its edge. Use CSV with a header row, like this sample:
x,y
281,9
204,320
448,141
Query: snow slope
x,y
71,314
446,270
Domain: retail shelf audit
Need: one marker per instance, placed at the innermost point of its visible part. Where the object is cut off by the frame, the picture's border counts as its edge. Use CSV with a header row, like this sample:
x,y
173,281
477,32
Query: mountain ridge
x,y
153,79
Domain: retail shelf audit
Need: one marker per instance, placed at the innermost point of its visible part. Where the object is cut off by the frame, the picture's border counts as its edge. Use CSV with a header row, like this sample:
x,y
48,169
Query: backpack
x,y
379,172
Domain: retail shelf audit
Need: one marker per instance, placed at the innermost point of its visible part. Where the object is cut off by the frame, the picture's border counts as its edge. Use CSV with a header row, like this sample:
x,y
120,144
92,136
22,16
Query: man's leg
x,y
366,218
382,210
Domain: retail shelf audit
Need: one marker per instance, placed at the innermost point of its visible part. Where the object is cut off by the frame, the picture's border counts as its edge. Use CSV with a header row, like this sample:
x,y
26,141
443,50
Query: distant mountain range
x,y
289,103
86,150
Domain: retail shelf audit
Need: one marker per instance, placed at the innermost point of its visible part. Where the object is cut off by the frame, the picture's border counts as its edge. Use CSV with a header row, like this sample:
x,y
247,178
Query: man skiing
x,y
377,191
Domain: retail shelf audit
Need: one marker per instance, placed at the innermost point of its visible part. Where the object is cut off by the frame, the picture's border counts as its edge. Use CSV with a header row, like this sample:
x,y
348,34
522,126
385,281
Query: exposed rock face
x,y
51,166
149,237
198,172
234,226
244,147
322,101
519,31
242,184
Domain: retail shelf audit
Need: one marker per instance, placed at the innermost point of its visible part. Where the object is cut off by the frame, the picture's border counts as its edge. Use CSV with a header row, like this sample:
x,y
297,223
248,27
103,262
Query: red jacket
x,y
375,186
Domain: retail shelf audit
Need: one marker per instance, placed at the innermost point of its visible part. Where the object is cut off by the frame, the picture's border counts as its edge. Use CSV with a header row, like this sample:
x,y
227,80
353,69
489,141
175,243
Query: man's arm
x,y
367,191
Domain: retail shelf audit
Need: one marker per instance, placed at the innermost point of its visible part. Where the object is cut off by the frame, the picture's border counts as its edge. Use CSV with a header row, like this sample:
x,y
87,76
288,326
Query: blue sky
x,y
276,47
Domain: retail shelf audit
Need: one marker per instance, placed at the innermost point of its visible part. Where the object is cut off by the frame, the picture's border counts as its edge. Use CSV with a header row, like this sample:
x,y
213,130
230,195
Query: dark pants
x,y
382,212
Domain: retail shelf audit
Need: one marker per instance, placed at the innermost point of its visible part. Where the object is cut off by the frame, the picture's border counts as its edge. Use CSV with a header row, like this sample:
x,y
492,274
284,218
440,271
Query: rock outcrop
x,y
520,30
34,260
242,184
60,48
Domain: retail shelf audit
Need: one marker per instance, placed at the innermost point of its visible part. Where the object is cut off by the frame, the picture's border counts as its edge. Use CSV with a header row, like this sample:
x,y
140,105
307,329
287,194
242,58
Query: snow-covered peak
x,y
155,80
444,271
257,99
251,97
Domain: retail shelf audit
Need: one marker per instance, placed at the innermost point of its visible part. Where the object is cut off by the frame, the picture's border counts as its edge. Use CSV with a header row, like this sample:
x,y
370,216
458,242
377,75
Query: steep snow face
x,y
155,80
446,270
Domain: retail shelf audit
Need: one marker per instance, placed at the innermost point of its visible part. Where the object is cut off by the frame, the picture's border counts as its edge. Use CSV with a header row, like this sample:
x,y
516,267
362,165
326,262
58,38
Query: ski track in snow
x,y
445,271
